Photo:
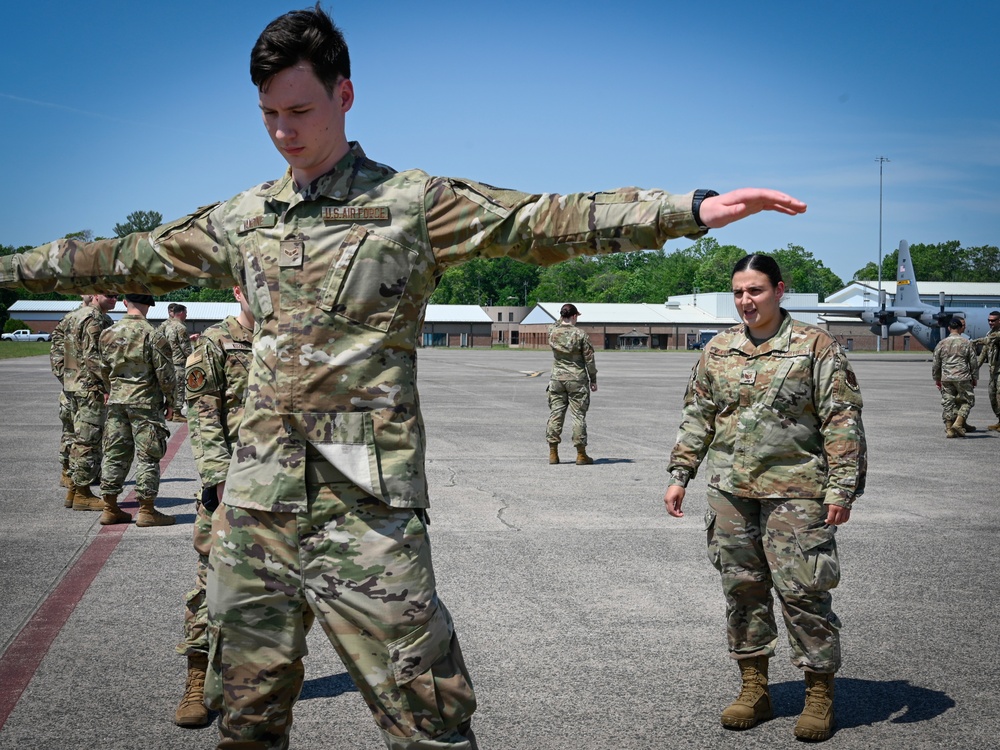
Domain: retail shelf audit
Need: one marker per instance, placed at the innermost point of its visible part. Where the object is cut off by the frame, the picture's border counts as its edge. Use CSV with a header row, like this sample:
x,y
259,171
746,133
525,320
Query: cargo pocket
x,y
818,546
366,282
213,675
431,677
159,435
714,553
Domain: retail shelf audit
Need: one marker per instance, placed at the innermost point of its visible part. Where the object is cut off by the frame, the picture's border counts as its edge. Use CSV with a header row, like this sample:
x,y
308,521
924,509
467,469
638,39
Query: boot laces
x,y
751,688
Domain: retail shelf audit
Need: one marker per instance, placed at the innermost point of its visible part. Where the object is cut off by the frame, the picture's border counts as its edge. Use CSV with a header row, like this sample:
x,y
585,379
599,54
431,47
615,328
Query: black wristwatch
x,y
699,196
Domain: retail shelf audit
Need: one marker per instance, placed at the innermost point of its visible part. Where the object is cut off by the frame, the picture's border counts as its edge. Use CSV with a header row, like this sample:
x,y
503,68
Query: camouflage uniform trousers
x,y
991,389
364,569
195,605
574,395
66,418
957,399
88,427
180,393
137,431
784,544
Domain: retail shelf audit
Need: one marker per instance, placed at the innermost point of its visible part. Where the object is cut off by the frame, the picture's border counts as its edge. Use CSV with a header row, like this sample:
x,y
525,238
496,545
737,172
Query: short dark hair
x,y
995,312
179,308
171,308
301,36
759,262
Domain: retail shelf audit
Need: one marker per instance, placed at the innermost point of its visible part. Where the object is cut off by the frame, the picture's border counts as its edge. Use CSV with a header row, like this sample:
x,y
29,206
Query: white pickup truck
x,y
25,334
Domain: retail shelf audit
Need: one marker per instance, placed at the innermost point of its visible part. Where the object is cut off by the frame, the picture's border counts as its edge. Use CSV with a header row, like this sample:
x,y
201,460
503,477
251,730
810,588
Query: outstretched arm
x,y
720,210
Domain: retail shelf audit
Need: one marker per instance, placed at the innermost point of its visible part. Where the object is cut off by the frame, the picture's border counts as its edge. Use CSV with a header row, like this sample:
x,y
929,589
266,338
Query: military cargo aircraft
x,y
908,314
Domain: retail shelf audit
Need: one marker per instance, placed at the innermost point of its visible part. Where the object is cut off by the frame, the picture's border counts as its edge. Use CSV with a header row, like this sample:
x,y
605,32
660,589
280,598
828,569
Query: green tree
x,y
139,221
803,273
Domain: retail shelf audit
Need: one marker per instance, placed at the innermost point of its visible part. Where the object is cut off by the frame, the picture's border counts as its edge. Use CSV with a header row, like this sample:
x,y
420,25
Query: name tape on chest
x,y
256,222
355,213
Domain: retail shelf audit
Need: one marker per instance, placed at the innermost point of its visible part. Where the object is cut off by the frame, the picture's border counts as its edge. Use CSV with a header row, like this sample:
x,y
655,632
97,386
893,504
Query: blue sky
x,y
107,108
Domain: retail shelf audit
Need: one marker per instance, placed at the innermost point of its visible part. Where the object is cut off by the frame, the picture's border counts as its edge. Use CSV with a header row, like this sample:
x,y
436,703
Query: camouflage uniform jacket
x,y
779,420
177,338
955,360
572,352
216,382
137,368
57,352
81,355
989,355
338,274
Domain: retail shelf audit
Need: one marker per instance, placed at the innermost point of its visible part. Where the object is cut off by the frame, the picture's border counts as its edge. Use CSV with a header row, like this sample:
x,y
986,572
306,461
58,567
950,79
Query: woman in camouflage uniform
x,y
774,408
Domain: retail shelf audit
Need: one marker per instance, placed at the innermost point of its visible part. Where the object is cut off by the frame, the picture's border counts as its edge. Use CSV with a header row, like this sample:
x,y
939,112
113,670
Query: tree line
x,y
650,276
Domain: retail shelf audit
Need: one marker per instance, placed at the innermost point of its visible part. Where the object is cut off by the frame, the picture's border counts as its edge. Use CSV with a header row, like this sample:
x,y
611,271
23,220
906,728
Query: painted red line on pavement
x,y
19,663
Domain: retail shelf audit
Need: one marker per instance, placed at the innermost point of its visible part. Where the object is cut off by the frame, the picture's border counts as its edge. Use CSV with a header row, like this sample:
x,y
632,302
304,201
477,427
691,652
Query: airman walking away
x,y
139,376
955,372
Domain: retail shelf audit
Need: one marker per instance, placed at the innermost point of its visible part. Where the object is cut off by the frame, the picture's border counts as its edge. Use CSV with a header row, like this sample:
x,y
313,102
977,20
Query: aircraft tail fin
x,y
907,295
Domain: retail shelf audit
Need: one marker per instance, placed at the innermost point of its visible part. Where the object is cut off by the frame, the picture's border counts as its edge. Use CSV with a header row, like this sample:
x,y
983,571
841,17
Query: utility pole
x,y
881,160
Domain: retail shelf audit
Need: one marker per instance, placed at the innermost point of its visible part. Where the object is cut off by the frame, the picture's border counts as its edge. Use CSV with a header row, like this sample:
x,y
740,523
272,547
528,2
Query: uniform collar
x,y
781,341
335,184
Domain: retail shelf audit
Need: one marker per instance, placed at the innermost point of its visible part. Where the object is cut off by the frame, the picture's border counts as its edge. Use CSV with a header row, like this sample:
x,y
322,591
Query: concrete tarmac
x,y
589,618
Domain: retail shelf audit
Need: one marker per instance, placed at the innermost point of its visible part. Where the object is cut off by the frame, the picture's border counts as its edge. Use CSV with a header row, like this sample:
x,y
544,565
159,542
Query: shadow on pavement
x,y
867,702
327,687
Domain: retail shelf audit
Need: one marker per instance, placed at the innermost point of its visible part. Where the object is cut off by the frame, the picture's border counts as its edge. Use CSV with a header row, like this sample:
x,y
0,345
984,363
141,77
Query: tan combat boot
x,y
85,499
112,513
994,427
816,721
65,480
150,516
192,711
753,704
959,426
553,453
949,429
582,459
70,494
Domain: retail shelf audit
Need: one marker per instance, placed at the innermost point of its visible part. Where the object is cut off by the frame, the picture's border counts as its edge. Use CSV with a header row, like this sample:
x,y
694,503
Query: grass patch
x,y
15,349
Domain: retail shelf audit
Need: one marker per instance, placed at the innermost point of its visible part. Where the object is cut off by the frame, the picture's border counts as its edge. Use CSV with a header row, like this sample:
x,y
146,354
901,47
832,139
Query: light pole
x,y
881,160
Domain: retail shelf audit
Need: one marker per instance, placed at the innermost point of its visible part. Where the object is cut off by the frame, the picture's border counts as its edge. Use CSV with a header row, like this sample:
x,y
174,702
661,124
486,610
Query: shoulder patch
x,y
196,379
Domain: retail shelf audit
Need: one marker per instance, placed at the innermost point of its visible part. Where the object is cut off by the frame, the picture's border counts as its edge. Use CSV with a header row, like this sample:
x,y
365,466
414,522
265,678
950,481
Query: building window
x,y
514,337
510,317
499,317
500,336
849,345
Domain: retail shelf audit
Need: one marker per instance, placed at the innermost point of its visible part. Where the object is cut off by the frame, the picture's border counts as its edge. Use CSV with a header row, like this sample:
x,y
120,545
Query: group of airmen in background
x,y
121,383
956,374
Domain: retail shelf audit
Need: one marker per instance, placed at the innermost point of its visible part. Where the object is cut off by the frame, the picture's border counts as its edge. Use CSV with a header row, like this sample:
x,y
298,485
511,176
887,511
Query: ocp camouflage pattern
x,y
572,353
216,379
782,420
955,359
340,294
135,364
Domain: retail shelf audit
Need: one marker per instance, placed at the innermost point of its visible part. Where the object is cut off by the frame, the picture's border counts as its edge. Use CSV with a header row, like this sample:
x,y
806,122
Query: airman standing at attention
x,y
57,363
139,376
325,505
216,383
175,332
990,354
574,377
773,408
955,372
85,392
